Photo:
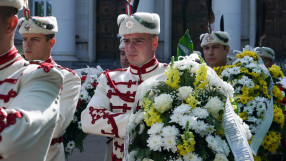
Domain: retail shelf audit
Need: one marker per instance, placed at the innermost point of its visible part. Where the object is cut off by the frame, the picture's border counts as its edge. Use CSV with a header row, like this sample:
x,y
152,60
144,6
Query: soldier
x,y
38,40
215,48
28,96
266,54
108,111
123,58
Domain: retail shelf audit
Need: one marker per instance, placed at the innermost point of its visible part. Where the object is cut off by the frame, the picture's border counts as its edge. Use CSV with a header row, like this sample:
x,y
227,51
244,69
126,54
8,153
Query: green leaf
x,y
185,45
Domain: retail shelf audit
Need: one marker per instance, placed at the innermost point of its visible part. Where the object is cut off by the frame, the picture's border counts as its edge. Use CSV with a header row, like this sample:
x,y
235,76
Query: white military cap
x,y
266,52
139,22
18,4
121,45
215,37
38,25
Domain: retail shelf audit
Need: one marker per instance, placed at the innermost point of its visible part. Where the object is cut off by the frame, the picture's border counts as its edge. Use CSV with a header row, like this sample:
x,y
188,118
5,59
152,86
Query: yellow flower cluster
x,y
278,116
173,77
270,141
201,77
188,143
243,116
275,71
257,158
277,94
244,98
192,101
151,115
248,53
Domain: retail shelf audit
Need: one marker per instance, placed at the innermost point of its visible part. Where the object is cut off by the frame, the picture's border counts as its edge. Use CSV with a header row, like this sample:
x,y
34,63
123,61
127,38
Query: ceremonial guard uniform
x,y
70,89
29,101
28,107
108,111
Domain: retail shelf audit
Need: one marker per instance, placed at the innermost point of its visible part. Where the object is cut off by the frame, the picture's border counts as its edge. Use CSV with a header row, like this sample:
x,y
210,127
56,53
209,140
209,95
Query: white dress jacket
x,y
29,105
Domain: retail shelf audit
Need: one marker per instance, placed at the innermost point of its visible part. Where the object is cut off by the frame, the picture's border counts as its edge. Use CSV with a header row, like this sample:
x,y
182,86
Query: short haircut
x,y
6,12
50,36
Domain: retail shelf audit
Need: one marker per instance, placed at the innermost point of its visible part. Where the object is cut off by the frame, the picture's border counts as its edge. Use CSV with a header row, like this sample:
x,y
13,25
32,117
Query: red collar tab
x,y
146,68
50,60
8,56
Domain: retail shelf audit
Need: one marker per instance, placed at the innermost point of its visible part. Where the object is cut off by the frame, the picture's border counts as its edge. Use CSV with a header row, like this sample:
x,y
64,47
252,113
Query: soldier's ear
x,y
12,24
52,42
155,43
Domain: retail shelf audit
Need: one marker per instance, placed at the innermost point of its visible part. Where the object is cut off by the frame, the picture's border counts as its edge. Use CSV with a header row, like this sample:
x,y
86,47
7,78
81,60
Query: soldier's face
x,y
267,61
123,59
215,54
36,47
140,48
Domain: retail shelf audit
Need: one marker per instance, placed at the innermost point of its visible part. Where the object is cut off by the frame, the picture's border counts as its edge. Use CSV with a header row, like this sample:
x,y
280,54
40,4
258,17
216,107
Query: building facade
x,y
88,31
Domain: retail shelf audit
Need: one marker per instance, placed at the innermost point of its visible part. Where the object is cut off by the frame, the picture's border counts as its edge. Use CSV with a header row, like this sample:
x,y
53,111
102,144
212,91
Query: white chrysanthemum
x,y
245,81
163,102
169,143
155,129
210,129
252,128
142,127
251,104
237,89
191,119
200,112
212,143
176,117
139,117
261,109
257,70
248,109
182,109
70,145
184,92
170,131
83,95
200,128
192,157
214,105
155,142
132,155
220,157
251,119
283,93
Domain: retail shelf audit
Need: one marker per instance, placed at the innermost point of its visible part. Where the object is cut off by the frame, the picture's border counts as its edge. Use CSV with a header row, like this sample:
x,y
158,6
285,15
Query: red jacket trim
x,y
101,113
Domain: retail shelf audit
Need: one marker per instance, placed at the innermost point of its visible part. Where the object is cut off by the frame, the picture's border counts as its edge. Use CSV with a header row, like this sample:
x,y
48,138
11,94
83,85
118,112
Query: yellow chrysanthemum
x,y
243,99
245,91
257,158
275,71
278,116
271,141
243,115
277,94
248,53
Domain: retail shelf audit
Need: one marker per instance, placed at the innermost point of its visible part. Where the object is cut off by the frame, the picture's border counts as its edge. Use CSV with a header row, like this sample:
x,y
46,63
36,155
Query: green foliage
x,y
185,45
